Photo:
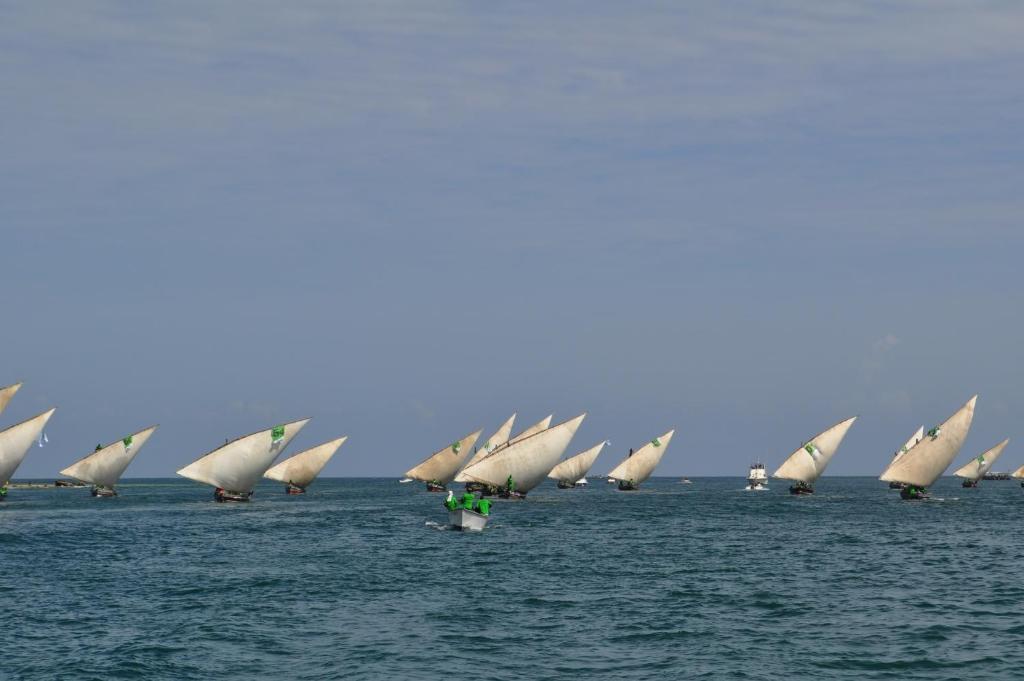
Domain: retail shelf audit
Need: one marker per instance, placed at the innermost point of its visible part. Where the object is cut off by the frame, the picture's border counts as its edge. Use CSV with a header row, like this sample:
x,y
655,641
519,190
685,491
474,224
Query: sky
x,y
746,221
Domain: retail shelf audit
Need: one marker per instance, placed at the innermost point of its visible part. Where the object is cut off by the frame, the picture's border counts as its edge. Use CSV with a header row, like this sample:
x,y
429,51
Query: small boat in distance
x,y
5,397
105,466
924,462
638,465
299,471
15,443
805,465
914,439
573,471
757,478
1018,475
234,468
978,467
438,469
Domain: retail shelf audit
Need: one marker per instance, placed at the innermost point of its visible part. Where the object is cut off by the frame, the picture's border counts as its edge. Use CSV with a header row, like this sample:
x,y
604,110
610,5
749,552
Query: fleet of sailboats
x,y
299,471
104,467
806,464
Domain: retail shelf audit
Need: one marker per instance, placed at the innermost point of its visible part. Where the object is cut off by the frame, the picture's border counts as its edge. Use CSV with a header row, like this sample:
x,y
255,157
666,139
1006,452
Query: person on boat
x,y
449,501
510,484
3,490
98,448
483,507
467,500
630,452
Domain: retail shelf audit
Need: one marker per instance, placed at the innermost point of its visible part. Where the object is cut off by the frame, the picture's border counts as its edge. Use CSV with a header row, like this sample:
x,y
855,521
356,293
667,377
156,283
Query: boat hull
x,y
293,489
912,493
801,489
757,487
466,520
224,496
896,485
103,492
628,486
969,483
562,484
435,487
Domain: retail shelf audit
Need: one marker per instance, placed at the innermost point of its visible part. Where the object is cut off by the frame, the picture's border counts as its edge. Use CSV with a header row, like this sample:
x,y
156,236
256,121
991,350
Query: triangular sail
x,y
303,468
538,427
976,468
526,461
809,462
641,464
6,394
238,465
574,468
1019,473
499,438
442,465
16,441
914,439
106,465
924,462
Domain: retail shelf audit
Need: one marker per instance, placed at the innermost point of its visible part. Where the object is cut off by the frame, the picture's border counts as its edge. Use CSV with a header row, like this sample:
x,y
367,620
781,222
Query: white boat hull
x,y
466,520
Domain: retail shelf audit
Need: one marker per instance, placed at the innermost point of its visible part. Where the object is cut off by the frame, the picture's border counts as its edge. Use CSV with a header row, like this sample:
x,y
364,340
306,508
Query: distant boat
x,y
686,481
518,468
235,468
299,471
438,469
104,467
914,439
15,443
978,467
638,466
757,478
805,465
1018,475
5,396
573,471
924,462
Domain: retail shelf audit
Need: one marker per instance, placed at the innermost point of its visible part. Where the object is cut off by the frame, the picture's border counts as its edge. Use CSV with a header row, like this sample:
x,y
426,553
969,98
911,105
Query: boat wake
x,y
755,489
436,526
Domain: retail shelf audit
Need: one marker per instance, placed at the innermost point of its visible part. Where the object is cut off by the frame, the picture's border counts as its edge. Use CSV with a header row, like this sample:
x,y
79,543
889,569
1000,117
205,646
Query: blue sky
x,y
743,220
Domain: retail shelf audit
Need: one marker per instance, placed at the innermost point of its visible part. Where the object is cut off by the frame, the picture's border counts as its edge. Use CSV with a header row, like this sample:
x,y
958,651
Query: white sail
x,y
16,441
641,464
1019,473
808,463
976,468
527,460
575,468
106,465
303,468
914,439
499,438
6,394
538,427
238,465
441,466
924,462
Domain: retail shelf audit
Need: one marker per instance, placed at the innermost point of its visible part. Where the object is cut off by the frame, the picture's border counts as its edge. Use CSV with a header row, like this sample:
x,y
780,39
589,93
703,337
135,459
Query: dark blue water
x,y
356,580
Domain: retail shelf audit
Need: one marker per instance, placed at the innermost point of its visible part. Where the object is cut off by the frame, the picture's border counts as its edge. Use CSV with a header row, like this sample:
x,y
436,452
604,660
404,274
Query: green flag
x,y
277,434
656,442
456,446
127,441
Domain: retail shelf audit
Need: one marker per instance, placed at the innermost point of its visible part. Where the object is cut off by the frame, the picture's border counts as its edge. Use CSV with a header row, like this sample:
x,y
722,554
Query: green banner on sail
x,y
127,441
277,434
456,446
656,442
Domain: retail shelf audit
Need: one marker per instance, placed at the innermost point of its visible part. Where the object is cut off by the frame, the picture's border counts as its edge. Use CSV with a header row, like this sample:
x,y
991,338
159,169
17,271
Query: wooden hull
x,y
627,486
911,493
801,490
294,489
466,520
435,487
103,492
969,483
225,496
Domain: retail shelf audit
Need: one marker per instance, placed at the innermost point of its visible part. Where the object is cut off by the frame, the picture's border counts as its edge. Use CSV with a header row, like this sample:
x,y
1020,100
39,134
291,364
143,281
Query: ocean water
x,y
359,579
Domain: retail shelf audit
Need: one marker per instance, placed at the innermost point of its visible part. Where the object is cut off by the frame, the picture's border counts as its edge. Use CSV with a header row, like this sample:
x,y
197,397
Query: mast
x,y
106,465
16,441
809,462
526,461
442,465
976,468
924,462
641,464
6,394
303,468
574,468
499,438
238,465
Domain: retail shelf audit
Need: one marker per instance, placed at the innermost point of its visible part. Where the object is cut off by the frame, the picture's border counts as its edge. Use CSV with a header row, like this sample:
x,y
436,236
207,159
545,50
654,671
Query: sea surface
x,y
360,579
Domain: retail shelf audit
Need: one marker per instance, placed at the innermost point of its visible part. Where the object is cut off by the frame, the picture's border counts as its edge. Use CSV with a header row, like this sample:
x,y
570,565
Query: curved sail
x,y
808,463
303,468
238,465
574,468
641,464
538,427
1019,473
924,462
976,468
914,439
527,461
441,466
6,394
16,440
499,438
105,466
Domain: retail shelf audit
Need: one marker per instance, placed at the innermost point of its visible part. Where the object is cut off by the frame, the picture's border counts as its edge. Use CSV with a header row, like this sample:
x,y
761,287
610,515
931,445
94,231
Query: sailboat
x,y
497,444
572,472
500,438
516,469
235,468
975,469
914,439
104,467
805,465
438,469
925,462
5,396
639,465
299,471
1018,475
15,443
757,478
